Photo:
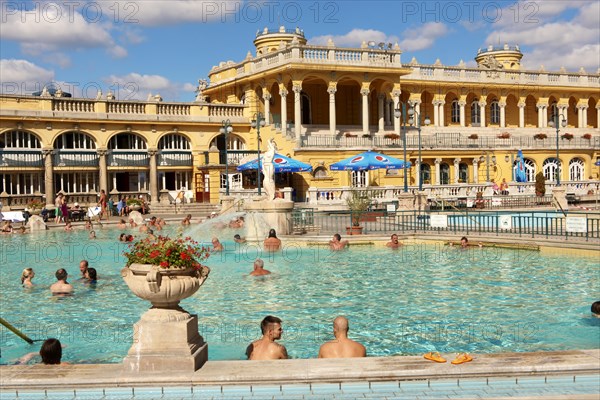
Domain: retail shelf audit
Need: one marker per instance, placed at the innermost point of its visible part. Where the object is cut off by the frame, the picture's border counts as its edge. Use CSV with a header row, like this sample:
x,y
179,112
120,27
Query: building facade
x,y
321,104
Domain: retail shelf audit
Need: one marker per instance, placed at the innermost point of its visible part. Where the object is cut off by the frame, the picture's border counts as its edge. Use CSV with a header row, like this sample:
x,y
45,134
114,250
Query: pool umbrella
x,y
520,175
281,164
369,160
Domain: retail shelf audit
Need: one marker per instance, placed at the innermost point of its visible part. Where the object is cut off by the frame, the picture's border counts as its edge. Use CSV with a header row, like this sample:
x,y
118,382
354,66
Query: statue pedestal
x,y
263,215
406,201
560,197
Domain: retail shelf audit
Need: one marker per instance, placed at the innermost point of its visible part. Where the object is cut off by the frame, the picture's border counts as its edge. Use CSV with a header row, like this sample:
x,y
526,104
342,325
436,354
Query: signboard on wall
x,y
438,221
505,222
576,224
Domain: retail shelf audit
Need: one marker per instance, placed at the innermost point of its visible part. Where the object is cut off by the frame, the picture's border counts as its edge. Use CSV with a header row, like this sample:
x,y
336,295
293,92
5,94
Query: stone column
x,y
387,114
502,106
437,171
103,170
380,111
267,99
482,105
441,112
584,117
48,176
545,117
418,171
283,93
521,115
397,121
597,116
436,114
153,177
332,121
475,170
365,110
540,108
297,89
456,169
462,104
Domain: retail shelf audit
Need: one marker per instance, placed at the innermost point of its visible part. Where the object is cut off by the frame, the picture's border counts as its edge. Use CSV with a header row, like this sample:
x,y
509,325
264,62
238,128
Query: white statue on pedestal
x,y
269,170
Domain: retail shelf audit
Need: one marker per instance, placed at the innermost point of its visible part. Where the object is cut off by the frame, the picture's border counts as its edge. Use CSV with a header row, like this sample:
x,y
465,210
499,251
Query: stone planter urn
x,y
166,337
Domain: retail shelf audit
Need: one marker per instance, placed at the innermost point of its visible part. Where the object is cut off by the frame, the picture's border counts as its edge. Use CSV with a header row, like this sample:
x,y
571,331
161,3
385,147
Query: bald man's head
x,y
340,324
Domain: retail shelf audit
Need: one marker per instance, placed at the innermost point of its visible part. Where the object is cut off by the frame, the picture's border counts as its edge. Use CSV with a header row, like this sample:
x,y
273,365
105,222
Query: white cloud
x,y
570,43
139,87
168,12
22,76
51,27
413,39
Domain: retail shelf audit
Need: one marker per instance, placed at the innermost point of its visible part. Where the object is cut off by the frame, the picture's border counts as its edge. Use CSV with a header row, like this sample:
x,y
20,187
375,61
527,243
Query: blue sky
x,y
164,47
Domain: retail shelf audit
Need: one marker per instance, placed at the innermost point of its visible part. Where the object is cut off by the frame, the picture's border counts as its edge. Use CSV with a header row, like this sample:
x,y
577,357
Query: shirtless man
x,y
272,243
341,346
61,286
265,348
102,204
337,243
187,220
83,268
217,246
259,269
393,243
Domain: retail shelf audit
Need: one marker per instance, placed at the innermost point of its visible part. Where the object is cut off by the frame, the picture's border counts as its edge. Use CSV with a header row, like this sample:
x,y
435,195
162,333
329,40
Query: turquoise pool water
x,y
405,302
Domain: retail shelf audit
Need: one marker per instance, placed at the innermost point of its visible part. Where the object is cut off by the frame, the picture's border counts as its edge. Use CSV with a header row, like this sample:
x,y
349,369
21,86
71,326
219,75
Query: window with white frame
x,y
16,184
550,169
75,140
127,141
320,173
235,181
76,182
174,141
576,170
475,112
360,178
18,139
455,112
495,112
463,173
426,173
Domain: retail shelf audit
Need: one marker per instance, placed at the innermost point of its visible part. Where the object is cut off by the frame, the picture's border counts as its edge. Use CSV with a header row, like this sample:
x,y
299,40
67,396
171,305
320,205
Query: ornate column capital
x,y
457,160
267,96
541,106
102,152
283,92
152,152
482,103
462,103
47,151
521,105
475,161
414,102
583,107
365,91
501,104
297,88
396,93
332,89
438,161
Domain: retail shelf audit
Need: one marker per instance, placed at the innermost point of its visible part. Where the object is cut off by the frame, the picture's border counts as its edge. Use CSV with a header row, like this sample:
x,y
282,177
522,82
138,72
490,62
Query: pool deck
x,y
314,371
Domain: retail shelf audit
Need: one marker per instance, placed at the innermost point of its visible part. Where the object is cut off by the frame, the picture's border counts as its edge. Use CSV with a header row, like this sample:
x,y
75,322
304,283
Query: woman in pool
x,y
91,275
27,276
51,353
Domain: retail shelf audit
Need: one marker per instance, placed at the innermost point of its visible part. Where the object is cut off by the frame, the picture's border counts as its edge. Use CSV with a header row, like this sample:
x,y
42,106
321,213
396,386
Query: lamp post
x,y
412,114
226,129
258,122
557,121
397,114
487,164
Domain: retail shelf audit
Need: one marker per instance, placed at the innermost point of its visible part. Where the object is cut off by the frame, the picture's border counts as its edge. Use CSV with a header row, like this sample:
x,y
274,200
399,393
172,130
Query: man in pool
x,y
83,267
341,346
394,243
596,309
61,287
217,246
265,348
337,244
272,243
259,268
238,239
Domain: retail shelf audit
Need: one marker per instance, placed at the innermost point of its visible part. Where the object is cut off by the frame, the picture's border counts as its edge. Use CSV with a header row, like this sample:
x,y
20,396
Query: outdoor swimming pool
x,y
406,302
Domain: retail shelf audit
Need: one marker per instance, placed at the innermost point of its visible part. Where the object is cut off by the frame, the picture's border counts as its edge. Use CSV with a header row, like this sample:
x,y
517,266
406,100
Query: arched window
x,y
174,141
127,141
306,112
475,113
320,173
233,142
444,174
550,169
576,170
19,139
360,178
74,140
455,112
495,112
463,173
530,169
426,173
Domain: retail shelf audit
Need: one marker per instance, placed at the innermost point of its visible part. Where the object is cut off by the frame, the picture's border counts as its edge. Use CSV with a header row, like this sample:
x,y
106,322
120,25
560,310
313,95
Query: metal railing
x,y
21,158
175,159
128,159
76,158
522,224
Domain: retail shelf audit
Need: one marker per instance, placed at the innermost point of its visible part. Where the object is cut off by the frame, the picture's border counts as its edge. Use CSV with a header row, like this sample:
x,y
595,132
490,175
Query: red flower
x,y
164,264
154,254
184,256
168,252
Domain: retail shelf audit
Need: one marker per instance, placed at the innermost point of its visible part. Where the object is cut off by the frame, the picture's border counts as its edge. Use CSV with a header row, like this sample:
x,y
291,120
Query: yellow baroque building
x,y
321,104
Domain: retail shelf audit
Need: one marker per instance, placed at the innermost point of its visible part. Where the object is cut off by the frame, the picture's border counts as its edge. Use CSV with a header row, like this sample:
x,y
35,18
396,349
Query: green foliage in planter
x,y
359,202
133,202
540,184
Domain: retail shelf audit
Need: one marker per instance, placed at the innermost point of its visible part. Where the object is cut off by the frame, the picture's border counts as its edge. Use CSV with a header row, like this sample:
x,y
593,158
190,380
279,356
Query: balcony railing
x,y
175,159
75,158
448,141
117,158
21,158
236,157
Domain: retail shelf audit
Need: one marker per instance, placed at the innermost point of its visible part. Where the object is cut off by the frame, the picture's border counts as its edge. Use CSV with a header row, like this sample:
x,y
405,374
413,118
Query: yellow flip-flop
x,y
462,358
434,356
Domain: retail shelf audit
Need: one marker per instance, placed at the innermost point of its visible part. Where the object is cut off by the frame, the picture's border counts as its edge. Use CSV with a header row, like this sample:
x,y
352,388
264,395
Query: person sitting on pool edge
x,y
265,348
596,309
341,346
337,243
272,243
